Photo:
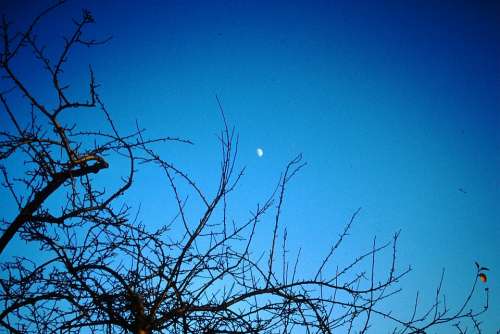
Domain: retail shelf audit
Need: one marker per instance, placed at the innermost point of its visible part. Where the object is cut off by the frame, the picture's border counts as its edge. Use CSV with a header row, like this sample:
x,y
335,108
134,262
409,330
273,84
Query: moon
x,y
260,152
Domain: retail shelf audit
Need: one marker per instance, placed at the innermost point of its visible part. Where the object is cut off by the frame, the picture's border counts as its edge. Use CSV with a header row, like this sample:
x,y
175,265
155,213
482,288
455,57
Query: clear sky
x,y
395,106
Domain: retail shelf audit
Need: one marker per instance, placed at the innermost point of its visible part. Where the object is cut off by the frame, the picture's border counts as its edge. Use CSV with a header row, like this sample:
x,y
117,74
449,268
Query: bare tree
x,y
101,270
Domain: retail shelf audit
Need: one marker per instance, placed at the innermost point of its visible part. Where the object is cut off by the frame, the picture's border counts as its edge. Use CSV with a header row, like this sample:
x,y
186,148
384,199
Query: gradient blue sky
x,y
395,105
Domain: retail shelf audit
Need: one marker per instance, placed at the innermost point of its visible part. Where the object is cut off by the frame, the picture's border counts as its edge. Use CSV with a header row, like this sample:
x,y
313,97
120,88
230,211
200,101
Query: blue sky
x,y
395,105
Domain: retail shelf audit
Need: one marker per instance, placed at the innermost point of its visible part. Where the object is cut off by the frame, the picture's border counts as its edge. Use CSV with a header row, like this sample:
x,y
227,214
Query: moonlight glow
x,y
260,152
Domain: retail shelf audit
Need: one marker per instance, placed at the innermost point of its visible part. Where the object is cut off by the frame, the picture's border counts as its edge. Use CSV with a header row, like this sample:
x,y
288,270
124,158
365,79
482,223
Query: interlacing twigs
x,y
99,268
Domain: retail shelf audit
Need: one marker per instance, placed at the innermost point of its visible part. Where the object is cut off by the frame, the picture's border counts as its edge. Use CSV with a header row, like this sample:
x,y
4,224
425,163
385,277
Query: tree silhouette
x,y
100,270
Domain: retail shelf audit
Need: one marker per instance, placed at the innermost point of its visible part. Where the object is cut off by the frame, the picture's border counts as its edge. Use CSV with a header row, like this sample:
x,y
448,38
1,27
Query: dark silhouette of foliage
x,y
100,270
